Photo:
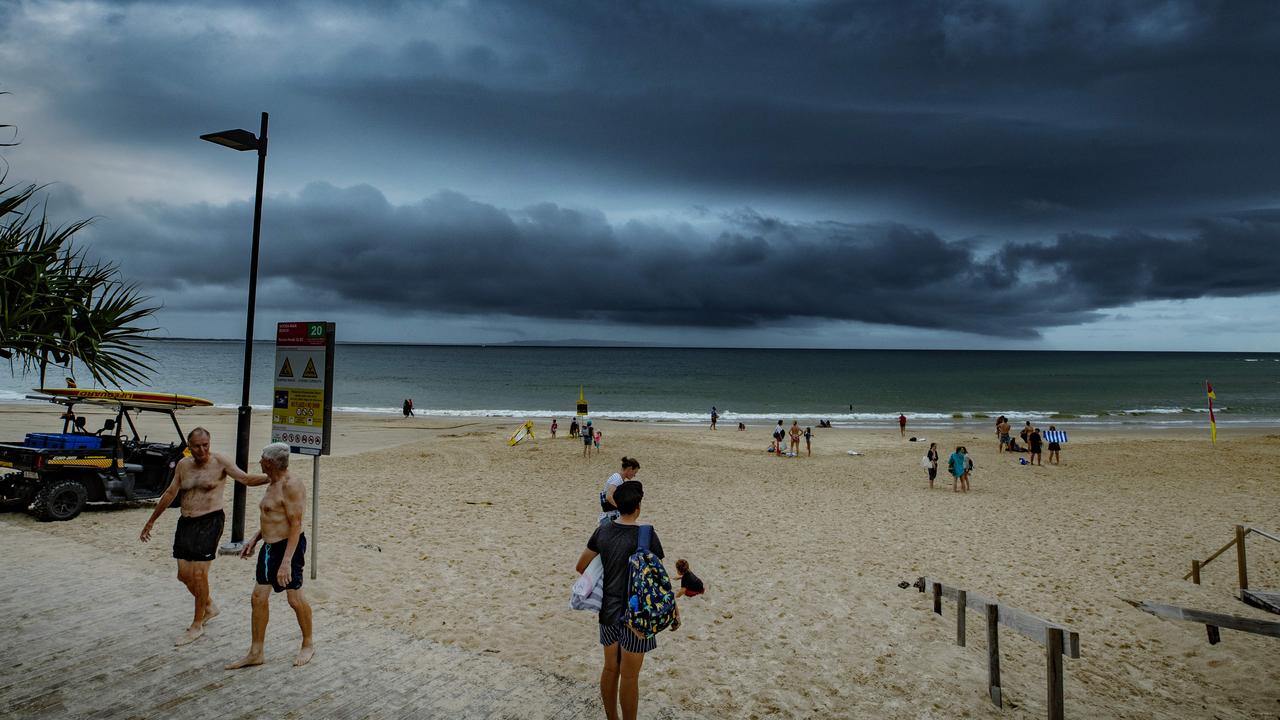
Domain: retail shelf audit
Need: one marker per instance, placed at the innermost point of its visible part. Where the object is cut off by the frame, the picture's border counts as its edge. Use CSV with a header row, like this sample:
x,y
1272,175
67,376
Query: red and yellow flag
x,y
1213,423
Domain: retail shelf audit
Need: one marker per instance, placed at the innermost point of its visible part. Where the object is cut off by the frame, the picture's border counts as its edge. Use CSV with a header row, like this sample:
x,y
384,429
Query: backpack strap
x,y
642,541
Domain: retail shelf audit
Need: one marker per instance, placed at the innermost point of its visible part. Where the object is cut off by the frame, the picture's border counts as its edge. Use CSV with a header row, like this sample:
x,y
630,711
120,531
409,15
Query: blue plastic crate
x,y
36,440
80,442
63,441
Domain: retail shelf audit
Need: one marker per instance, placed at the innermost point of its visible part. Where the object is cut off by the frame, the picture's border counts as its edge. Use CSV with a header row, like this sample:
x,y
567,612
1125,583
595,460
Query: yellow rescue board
x,y
141,398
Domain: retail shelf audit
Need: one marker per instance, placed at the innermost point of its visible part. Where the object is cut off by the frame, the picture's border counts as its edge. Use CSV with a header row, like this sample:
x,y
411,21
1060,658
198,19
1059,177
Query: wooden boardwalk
x,y
89,635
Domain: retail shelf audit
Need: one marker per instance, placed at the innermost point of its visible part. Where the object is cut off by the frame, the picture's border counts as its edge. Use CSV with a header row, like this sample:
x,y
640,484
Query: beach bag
x,y
588,589
651,603
925,462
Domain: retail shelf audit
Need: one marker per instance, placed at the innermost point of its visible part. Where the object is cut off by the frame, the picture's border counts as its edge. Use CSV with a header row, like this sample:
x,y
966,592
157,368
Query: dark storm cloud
x,y
350,248
1007,114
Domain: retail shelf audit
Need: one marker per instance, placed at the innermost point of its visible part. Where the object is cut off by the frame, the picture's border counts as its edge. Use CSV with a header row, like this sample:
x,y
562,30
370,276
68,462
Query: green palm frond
x,y
55,302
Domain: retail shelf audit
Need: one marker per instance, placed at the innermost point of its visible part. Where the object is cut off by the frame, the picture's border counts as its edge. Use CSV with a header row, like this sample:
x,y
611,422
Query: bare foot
x,y
304,655
211,612
247,661
191,635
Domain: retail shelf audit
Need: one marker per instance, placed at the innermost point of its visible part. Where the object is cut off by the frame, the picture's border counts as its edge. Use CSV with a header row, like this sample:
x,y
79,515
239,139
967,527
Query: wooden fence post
x,y
1240,563
1195,571
937,598
962,598
993,655
1053,651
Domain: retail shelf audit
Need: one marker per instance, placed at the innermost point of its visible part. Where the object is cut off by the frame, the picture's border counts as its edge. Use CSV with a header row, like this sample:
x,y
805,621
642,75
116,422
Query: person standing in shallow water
x,y
902,425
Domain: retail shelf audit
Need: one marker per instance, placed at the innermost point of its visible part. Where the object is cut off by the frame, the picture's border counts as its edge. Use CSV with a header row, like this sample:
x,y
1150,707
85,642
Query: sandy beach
x,y
434,526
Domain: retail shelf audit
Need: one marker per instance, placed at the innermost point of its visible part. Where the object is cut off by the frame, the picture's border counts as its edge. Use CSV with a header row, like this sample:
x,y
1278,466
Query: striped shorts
x,y
610,634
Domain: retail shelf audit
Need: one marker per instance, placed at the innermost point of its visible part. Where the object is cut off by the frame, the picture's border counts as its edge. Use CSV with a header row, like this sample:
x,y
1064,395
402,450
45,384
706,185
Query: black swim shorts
x,y
269,558
196,538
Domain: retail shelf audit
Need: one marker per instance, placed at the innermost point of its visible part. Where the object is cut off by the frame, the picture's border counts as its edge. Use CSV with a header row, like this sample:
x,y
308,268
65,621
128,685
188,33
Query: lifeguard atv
x,y
54,475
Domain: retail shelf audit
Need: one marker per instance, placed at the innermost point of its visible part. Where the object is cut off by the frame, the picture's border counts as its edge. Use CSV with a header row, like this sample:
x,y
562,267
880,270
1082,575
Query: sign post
x,y
302,408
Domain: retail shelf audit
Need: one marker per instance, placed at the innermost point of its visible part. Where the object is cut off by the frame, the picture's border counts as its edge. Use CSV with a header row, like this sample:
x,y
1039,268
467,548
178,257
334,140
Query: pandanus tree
x,y
57,304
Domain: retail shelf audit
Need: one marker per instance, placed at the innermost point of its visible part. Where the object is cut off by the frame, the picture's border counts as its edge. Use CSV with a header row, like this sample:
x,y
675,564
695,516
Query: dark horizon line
x,y
621,345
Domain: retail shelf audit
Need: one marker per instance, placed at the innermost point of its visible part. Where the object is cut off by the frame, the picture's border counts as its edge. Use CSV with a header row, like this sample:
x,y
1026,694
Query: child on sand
x,y
808,439
690,584
596,439
554,426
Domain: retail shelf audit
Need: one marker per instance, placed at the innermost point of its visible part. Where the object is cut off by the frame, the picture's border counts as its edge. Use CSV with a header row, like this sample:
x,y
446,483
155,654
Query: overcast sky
x,y
986,174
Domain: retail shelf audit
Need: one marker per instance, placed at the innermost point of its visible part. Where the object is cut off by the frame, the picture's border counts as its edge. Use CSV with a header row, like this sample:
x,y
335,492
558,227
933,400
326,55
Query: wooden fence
x,y
1242,565
1058,640
1212,620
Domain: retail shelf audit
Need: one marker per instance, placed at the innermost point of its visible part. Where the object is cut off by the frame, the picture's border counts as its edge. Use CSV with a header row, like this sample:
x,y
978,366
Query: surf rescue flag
x,y
1213,423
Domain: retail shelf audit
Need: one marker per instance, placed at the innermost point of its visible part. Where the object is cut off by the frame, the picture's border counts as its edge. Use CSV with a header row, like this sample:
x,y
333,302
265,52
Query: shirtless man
x,y
1002,432
201,478
283,551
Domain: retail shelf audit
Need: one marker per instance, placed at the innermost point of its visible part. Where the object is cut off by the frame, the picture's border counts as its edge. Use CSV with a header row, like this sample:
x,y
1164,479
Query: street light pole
x,y
245,413
244,140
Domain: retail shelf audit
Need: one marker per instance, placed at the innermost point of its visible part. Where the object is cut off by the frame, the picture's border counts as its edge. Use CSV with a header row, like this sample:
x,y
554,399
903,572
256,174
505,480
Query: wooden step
x,y
1268,600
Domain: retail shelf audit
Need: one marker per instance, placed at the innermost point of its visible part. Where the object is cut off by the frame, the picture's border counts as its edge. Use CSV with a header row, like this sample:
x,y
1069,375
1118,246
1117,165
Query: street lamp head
x,y
234,139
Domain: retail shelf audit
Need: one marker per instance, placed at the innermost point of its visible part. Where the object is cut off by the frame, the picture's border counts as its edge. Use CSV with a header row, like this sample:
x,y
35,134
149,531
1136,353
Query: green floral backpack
x,y
651,604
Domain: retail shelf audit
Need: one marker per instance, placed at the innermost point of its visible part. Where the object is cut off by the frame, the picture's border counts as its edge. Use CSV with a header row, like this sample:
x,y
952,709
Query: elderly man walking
x,y
200,478
282,557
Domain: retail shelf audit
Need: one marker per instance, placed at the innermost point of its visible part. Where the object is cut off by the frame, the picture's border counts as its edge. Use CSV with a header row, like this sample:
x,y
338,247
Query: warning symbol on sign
x,y
287,370
310,372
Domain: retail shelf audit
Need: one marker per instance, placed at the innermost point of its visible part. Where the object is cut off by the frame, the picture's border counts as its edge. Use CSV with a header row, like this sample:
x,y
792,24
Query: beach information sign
x,y
302,409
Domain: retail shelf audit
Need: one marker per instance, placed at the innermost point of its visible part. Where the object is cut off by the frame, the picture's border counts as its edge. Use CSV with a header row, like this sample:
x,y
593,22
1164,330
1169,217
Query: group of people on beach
x,y
793,450
1032,439
590,435
199,480
615,540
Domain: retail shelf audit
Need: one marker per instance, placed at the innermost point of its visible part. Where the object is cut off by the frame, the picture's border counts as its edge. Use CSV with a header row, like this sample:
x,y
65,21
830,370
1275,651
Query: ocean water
x,y
849,387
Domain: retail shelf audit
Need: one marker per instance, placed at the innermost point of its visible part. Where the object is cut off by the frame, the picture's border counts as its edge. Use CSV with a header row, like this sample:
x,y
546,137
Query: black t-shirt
x,y
692,582
616,543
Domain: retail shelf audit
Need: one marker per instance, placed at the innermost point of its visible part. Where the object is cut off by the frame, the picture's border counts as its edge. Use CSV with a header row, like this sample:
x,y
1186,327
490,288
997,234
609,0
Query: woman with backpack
x,y
608,511
624,647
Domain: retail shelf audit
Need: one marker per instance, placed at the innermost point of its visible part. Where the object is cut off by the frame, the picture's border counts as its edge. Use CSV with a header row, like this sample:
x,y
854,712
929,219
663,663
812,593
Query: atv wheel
x,y
60,500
